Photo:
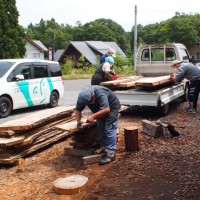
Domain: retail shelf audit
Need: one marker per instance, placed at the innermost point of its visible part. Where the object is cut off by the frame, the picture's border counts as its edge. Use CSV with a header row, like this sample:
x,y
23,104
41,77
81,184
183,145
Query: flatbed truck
x,y
153,61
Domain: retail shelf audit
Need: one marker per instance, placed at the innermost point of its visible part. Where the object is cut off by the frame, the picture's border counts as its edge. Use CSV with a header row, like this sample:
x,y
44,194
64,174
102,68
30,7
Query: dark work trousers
x,y
193,93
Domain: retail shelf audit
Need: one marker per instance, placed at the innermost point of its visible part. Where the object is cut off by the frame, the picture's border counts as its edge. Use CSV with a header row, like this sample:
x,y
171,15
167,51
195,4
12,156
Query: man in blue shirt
x,y
110,52
105,109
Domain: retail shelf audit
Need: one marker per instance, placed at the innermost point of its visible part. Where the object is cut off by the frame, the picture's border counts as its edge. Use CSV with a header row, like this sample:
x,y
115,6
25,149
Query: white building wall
x,y
33,52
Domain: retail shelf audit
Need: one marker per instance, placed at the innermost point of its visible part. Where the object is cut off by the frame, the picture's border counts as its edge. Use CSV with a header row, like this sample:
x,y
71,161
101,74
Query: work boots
x,y
108,158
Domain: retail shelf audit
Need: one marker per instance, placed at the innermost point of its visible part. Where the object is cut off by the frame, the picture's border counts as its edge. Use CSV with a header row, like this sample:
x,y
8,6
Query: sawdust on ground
x,y
163,168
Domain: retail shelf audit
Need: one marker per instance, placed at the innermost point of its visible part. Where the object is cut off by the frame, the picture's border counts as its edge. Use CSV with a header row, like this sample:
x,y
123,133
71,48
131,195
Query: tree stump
x,y
131,138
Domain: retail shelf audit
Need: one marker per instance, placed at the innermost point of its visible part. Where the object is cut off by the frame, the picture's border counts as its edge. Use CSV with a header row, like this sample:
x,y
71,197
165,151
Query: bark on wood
x,y
131,138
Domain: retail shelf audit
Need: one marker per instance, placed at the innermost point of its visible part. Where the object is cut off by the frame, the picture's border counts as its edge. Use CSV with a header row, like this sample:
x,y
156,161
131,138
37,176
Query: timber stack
x,y
138,81
21,137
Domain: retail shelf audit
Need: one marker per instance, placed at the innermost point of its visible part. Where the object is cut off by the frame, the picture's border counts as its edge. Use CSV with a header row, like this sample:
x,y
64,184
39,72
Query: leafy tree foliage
x,y
50,33
182,28
12,37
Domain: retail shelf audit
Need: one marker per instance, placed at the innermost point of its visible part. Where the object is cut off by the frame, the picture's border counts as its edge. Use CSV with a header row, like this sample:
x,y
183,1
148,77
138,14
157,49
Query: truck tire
x,y
163,110
53,100
5,107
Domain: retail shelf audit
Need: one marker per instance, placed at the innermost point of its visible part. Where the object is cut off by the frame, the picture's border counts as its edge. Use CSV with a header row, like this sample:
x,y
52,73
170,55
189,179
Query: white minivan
x,y
29,82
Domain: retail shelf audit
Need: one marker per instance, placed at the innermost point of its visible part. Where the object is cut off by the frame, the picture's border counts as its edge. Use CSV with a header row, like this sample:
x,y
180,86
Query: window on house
x,y
36,55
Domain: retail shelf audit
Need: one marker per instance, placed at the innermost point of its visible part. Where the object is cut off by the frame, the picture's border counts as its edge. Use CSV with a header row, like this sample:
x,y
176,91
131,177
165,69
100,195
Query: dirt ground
x,y
164,168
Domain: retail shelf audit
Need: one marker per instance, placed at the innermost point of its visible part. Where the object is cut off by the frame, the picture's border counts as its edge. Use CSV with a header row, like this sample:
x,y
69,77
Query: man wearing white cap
x,y
191,73
105,107
111,52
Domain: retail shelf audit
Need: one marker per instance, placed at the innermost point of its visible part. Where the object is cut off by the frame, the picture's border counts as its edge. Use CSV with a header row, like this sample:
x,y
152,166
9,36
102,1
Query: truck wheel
x,y
5,107
53,100
163,110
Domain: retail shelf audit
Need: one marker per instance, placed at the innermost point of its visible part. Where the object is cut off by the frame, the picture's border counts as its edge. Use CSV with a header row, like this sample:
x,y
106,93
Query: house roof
x,y
58,53
38,44
90,49
85,50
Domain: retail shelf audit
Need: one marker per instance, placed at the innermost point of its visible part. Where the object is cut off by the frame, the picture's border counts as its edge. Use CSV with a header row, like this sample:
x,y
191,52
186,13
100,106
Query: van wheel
x,y
5,107
53,100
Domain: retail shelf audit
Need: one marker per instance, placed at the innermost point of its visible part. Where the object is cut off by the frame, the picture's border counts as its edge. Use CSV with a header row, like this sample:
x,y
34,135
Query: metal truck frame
x,y
153,61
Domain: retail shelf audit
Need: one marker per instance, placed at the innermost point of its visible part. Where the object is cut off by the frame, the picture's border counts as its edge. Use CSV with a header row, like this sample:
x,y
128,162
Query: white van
x,y
28,82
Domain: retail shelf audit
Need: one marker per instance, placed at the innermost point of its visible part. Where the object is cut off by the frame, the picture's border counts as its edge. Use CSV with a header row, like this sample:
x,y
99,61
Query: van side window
x,y
20,70
55,70
40,71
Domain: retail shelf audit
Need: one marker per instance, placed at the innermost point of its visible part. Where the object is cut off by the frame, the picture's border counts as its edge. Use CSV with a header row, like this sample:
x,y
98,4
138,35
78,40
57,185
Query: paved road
x,y
72,88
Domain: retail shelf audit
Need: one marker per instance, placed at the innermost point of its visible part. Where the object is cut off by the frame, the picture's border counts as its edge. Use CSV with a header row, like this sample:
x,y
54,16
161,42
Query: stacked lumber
x,y
19,138
135,81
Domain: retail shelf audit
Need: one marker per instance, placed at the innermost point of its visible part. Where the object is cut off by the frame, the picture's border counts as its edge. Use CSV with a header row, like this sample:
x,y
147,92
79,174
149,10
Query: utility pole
x,y
135,39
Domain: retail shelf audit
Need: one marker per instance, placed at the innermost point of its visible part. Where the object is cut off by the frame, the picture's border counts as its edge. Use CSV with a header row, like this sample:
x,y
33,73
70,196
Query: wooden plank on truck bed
x,y
153,81
130,83
121,80
32,120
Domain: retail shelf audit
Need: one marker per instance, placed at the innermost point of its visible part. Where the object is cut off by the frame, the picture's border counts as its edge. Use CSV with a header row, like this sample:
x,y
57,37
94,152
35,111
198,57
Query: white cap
x,y
175,62
112,52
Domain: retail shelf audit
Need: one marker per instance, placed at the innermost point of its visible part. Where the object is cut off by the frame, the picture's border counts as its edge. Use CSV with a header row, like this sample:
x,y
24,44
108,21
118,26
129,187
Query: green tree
x,y
50,33
12,36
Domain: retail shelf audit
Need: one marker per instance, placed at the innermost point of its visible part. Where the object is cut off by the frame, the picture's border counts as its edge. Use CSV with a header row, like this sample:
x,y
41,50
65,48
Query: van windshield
x,y
4,67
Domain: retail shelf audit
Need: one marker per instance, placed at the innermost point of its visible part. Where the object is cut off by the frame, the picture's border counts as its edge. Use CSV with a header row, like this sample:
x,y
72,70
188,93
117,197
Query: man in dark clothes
x,y
105,109
104,72
191,73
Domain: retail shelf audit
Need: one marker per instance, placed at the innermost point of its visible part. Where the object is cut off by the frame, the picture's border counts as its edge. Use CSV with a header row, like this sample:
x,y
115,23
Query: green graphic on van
x,y
25,89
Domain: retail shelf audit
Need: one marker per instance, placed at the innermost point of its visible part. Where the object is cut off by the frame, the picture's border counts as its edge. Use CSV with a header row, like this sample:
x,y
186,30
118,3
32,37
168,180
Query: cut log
x,y
70,184
131,138
151,128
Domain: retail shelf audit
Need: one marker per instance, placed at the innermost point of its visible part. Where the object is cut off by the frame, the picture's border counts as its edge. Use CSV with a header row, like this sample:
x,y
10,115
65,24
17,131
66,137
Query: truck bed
x,y
141,96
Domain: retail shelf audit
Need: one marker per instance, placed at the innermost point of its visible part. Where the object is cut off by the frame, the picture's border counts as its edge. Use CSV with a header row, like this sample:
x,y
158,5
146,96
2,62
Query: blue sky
x,y
122,12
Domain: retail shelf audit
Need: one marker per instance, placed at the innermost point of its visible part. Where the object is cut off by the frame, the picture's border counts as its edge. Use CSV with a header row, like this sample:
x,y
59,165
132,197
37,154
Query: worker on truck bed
x,y
104,72
105,107
192,73
109,53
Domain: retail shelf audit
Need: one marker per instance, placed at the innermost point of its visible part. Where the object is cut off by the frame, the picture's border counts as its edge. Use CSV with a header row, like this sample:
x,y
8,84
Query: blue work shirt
x,y
104,98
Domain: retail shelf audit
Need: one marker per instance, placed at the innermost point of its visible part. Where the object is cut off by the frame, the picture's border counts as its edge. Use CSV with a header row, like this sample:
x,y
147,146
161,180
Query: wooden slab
x,y
153,81
119,81
70,184
32,120
6,142
8,158
130,83
69,126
